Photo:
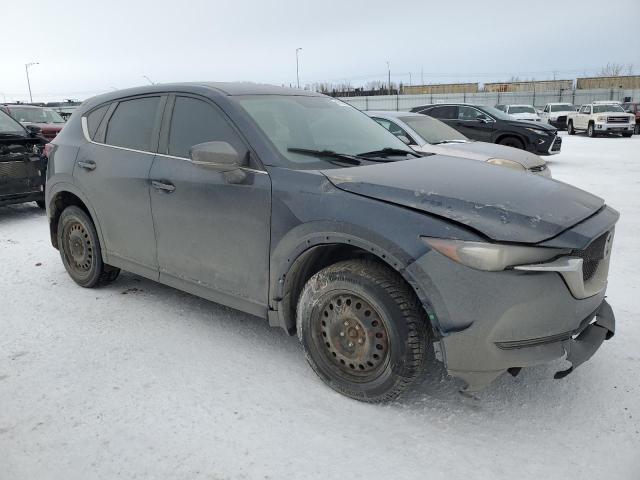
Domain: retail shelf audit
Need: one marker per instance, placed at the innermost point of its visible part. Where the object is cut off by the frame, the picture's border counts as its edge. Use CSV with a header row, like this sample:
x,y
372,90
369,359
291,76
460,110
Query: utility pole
x,y
422,75
26,69
298,67
410,82
389,74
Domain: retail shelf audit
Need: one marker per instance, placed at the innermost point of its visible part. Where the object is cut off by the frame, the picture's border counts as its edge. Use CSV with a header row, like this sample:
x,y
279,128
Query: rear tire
x,y
363,330
80,249
570,129
591,130
512,142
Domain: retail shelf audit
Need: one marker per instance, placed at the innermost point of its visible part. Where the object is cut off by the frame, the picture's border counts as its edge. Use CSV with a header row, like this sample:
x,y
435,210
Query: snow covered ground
x,y
138,380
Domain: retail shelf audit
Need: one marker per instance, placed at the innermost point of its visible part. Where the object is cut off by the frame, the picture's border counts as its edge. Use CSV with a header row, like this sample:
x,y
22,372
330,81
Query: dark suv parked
x,y
488,124
300,209
22,166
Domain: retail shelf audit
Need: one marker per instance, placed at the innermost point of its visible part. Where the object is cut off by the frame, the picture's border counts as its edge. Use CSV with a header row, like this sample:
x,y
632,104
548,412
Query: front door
x,y
475,124
113,172
212,229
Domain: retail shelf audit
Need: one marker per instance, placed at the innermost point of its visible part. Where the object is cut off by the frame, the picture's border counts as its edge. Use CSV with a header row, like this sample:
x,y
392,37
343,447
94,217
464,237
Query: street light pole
x,y
297,67
389,73
26,69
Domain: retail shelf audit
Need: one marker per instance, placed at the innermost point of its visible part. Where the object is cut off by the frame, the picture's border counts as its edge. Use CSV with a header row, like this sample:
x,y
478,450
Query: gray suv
x,y
299,209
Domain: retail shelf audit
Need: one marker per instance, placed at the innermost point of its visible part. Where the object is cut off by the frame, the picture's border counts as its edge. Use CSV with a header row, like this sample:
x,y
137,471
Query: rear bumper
x,y
491,322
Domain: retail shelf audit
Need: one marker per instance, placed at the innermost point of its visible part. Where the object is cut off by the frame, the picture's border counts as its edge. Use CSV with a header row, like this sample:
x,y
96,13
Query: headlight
x,y
601,118
503,162
491,257
538,131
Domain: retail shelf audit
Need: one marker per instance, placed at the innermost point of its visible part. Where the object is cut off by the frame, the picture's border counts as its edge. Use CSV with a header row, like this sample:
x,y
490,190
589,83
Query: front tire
x,y
636,129
512,142
80,249
591,130
627,135
363,330
570,129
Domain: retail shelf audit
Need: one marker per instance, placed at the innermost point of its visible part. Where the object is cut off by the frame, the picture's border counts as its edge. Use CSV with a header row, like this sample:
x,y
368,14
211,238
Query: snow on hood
x,y
501,203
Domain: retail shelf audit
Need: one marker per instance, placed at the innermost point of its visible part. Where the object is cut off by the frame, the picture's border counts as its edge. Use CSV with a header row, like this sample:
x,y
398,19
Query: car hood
x,y
500,203
484,151
525,116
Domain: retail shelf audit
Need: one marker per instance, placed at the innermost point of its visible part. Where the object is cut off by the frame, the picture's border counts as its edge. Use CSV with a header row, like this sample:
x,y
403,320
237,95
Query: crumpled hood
x,y
484,151
503,204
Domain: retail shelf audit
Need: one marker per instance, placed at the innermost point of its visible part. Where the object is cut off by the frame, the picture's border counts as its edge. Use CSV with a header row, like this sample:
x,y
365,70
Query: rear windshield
x,y
562,108
521,109
607,108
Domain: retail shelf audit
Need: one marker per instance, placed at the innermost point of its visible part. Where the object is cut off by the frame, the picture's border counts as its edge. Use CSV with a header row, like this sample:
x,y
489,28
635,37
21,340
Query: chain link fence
x,y
538,99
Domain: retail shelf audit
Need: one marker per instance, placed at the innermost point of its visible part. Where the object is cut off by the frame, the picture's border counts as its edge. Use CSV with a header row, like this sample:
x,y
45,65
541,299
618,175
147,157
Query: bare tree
x,y
615,70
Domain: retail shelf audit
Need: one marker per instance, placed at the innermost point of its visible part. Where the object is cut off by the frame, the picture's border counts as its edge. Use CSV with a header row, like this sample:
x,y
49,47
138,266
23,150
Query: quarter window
x,y
132,123
94,119
195,121
394,128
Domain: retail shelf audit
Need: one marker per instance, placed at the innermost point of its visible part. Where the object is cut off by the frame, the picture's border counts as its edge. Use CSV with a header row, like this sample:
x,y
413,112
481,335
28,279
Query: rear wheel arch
x,y
63,198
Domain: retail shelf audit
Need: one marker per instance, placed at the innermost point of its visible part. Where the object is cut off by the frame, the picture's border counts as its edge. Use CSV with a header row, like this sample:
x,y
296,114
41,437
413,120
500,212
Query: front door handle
x,y
87,164
165,187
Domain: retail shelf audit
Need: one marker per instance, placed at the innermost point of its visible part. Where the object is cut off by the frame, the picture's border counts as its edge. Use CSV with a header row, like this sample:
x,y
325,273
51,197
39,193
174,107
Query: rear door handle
x,y
87,164
165,187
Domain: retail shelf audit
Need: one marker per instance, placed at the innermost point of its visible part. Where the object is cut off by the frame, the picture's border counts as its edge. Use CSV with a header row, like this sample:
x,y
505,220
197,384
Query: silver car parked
x,y
430,135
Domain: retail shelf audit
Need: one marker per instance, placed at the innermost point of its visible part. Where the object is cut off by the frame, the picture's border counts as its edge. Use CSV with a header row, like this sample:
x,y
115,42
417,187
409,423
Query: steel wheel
x,y
78,248
352,336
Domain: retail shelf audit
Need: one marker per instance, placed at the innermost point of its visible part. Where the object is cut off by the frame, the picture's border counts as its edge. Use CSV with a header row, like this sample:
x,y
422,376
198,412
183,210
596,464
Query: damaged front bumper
x,y
493,322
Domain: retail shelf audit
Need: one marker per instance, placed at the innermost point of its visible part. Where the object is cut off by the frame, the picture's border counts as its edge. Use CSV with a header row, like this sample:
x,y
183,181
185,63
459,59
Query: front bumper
x,y
490,322
614,127
547,145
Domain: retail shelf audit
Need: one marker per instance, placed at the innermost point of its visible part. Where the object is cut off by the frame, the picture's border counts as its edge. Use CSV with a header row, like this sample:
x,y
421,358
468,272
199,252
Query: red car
x,y
633,107
49,122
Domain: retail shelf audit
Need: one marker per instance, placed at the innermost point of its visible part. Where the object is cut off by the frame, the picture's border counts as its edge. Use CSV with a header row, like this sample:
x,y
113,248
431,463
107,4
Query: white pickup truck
x,y
556,114
601,117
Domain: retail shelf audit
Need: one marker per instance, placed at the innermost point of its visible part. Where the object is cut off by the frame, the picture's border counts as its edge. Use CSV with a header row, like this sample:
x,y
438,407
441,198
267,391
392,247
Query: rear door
x,y
113,171
212,230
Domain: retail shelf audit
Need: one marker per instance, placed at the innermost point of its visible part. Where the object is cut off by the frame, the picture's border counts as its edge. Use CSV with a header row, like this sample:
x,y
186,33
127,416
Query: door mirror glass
x,y
483,118
217,155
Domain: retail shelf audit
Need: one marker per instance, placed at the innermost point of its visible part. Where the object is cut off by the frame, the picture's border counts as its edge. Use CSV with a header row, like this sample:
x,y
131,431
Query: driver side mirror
x,y
220,156
483,119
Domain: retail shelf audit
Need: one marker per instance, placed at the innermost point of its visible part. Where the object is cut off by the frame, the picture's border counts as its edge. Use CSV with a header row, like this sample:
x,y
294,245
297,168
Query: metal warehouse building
x,y
441,88
626,82
538,86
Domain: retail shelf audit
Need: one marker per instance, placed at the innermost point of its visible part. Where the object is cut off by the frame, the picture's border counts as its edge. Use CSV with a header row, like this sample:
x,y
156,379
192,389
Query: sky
x,y
85,47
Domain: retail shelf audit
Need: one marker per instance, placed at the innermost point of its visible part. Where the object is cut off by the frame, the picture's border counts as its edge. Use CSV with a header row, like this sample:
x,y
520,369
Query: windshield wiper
x,y
343,157
387,152
449,141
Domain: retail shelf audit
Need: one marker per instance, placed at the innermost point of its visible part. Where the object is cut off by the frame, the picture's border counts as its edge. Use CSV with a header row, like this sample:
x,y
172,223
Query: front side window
x,y
469,113
316,123
195,121
132,124
562,108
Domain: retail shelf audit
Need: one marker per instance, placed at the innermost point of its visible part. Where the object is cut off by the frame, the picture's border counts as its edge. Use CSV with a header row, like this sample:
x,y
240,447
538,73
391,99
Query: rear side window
x,y
131,124
94,119
446,112
195,121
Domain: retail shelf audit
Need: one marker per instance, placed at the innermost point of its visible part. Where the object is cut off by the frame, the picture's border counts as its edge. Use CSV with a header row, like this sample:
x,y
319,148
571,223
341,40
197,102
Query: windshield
x,y
432,130
35,115
567,107
316,123
607,108
8,126
521,109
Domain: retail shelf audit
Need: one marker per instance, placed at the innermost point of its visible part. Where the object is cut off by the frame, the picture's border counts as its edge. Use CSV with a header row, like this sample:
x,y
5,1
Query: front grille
x,y
562,119
592,256
556,144
617,119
